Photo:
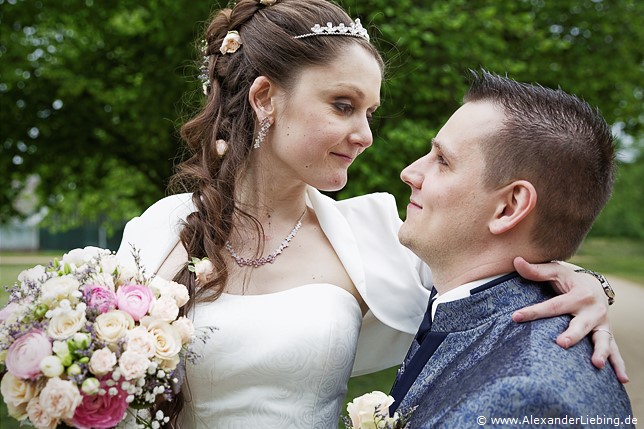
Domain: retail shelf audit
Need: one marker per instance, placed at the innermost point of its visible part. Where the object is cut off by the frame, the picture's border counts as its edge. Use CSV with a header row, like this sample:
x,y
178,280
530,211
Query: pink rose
x,y
134,299
8,311
24,355
101,411
100,298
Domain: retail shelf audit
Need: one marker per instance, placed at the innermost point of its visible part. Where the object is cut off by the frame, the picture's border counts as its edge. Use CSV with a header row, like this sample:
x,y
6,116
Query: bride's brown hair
x,y
268,49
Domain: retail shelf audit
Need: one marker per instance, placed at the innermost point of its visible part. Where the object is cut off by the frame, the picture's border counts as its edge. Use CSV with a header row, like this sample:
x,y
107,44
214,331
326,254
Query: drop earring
x,y
263,131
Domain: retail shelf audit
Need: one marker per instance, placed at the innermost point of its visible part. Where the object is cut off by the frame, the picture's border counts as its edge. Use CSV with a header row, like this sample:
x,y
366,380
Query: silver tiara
x,y
354,30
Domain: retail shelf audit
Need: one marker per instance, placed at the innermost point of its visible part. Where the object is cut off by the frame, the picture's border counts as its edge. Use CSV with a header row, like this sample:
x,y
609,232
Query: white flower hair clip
x,y
231,43
202,268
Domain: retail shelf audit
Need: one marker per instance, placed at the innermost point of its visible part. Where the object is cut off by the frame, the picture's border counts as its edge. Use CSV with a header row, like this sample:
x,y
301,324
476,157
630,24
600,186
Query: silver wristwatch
x,y
610,293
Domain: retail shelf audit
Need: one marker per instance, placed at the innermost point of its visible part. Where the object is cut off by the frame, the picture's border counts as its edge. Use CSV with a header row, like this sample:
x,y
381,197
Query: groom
x,y
517,170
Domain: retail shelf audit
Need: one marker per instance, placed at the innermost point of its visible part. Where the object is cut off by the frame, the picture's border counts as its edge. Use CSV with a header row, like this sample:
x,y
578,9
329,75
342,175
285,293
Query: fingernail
x,y
567,343
518,317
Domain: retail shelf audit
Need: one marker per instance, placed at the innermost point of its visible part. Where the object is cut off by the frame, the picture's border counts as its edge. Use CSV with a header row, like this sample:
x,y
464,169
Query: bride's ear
x,y
516,201
262,97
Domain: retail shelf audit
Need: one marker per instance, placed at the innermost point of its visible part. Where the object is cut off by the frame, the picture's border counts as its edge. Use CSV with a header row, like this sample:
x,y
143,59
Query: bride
x,y
303,290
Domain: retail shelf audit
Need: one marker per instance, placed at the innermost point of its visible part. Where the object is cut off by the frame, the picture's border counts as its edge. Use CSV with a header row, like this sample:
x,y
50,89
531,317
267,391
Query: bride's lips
x,y
343,157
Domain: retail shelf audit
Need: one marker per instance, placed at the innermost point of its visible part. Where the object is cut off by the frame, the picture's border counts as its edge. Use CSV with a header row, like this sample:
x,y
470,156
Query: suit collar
x,y
503,295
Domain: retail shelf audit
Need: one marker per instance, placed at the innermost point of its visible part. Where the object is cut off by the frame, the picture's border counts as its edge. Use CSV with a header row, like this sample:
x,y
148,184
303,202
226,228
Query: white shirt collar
x,y
460,292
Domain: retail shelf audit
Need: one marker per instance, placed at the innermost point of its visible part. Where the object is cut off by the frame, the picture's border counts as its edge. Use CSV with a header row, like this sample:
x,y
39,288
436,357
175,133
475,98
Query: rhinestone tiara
x,y
354,30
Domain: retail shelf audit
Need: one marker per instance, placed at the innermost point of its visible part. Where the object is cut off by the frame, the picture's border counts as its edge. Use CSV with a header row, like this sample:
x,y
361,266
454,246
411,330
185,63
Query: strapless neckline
x,y
296,289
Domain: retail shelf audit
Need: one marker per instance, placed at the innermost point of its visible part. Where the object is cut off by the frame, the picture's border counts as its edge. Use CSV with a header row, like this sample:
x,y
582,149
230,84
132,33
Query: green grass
x,y
620,257
624,258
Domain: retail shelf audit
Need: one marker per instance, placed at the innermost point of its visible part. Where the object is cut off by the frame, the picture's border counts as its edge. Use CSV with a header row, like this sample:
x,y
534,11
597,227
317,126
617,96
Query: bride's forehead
x,y
349,70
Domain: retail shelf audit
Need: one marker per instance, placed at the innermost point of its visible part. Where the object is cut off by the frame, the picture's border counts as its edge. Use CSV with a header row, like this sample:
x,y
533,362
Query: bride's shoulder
x,y
173,204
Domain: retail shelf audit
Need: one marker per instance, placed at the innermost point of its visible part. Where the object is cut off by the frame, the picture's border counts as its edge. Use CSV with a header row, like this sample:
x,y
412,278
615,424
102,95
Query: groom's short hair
x,y
557,142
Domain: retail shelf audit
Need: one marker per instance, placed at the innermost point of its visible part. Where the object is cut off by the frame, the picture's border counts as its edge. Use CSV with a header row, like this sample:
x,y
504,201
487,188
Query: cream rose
x,y
167,340
39,417
185,328
165,308
362,411
133,364
113,325
102,361
231,43
141,341
17,393
66,324
59,398
57,289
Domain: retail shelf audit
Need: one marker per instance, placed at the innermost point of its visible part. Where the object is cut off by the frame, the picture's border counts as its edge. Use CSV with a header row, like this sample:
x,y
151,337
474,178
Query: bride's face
x,y
322,124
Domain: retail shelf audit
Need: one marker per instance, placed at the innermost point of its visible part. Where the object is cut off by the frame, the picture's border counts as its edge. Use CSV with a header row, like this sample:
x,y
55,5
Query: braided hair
x,y
268,49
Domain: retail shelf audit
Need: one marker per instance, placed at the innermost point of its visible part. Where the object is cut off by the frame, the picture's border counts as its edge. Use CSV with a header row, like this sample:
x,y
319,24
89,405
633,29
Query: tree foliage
x,y
92,92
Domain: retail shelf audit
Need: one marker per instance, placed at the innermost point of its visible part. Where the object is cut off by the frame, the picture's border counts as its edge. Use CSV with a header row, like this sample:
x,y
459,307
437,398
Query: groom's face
x,y
449,206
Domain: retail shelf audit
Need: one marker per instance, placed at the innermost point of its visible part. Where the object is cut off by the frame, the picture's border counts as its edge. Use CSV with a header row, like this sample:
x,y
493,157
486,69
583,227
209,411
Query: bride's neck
x,y
266,197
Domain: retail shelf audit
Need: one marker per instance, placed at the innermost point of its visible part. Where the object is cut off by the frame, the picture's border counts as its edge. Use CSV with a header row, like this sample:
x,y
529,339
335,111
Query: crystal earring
x,y
263,131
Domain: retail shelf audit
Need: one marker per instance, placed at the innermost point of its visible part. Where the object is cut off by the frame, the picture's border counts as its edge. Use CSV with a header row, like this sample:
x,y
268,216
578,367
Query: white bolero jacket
x,y
363,231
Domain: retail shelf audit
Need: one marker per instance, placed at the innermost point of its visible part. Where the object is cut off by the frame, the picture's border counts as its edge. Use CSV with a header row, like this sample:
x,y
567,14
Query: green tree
x,y
92,92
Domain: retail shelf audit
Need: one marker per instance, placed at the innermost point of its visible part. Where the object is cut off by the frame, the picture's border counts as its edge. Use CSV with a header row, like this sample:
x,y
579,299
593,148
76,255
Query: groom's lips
x,y
414,205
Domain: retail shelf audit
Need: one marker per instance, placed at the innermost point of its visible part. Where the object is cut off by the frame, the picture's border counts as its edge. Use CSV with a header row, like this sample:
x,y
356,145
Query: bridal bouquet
x,y
85,342
371,411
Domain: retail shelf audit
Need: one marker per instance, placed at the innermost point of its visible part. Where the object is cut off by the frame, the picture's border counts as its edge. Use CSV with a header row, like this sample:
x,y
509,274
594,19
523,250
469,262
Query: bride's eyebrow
x,y
354,89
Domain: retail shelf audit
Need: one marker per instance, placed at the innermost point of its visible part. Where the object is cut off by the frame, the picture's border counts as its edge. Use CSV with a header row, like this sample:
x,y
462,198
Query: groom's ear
x,y
262,96
515,202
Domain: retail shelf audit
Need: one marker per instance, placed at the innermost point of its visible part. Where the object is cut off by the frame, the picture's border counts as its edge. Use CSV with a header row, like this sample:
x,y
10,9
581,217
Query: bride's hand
x,y
583,297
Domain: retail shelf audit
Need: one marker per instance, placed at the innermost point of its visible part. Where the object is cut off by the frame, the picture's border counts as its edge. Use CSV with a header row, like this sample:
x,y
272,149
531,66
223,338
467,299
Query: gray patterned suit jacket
x,y
492,367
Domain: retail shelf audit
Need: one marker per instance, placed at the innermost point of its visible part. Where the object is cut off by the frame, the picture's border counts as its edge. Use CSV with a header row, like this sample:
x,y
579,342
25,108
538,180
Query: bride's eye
x,y
344,108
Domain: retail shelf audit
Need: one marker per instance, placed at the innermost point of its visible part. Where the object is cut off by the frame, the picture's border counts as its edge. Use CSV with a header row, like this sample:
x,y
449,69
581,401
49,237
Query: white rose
x,y
51,366
133,364
34,274
141,341
66,324
17,393
80,257
57,289
204,270
102,361
39,417
59,398
185,328
167,340
112,326
165,308
126,272
162,287
362,411
109,264
104,280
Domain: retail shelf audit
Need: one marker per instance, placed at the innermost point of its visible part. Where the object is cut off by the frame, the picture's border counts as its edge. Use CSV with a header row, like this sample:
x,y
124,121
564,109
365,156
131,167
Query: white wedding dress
x,y
283,360
249,377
